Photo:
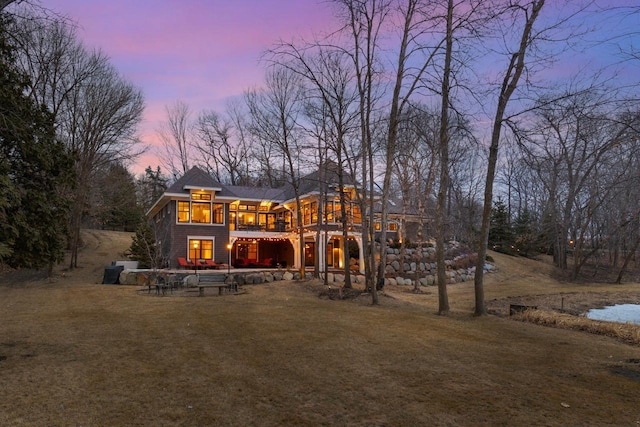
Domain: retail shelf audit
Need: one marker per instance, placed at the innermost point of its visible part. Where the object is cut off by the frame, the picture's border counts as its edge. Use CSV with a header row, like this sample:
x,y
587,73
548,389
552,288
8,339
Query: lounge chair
x,y
200,264
212,264
183,263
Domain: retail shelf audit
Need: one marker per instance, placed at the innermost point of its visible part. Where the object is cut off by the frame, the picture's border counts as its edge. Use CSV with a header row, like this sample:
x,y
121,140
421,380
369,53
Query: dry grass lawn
x,y
77,353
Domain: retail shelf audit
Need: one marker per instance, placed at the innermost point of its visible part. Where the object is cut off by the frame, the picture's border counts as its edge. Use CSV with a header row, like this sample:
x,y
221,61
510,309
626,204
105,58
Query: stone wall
x,y
419,268
419,265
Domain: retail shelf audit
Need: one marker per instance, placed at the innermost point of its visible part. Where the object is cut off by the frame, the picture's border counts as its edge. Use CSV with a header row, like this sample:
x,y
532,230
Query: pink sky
x,y
204,52
199,51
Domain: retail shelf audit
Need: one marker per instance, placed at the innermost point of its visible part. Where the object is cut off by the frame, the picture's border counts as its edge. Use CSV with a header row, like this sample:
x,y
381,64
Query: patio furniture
x,y
183,263
212,264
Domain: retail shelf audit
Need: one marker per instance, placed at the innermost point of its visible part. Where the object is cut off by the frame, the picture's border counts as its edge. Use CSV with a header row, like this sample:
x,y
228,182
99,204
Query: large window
x,y
200,211
200,249
246,219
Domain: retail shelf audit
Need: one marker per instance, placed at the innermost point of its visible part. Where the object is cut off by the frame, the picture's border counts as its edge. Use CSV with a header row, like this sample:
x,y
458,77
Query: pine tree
x,y
500,233
524,238
35,169
144,248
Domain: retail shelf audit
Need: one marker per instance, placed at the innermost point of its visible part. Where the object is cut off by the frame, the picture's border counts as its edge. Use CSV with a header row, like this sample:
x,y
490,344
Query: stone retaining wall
x,y
419,268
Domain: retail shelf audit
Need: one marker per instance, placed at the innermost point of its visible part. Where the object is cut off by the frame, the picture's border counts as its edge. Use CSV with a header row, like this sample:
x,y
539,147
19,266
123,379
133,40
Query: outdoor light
x,y
229,264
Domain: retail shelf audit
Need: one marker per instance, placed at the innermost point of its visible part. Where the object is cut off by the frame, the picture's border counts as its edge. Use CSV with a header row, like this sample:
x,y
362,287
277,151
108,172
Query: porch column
x,y
297,256
322,252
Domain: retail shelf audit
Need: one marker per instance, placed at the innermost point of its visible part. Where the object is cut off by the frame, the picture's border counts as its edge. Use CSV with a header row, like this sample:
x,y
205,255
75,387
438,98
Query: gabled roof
x,y
195,178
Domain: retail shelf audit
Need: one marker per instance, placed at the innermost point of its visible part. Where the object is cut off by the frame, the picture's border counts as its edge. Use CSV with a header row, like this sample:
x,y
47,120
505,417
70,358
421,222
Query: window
x,y
314,212
201,196
289,220
246,218
218,213
267,221
328,211
200,249
306,214
337,211
201,212
357,216
391,226
247,250
232,221
183,211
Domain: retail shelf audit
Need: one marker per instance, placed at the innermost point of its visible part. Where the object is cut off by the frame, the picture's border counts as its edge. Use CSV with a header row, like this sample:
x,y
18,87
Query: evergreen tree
x,y
144,248
500,233
34,171
150,187
524,236
114,203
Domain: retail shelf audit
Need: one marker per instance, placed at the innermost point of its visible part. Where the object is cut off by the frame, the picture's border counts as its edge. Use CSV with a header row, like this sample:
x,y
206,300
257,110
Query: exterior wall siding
x,y
181,233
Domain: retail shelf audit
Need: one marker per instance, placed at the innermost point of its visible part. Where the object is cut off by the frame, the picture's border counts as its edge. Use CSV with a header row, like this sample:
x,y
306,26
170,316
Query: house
x,y
199,218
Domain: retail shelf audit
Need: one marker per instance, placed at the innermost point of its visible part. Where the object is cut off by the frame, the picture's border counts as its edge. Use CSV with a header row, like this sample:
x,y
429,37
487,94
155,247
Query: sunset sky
x,y
199,51
203,52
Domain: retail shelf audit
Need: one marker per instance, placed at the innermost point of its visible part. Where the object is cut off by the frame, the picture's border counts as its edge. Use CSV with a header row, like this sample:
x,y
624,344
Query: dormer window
x,y
200,196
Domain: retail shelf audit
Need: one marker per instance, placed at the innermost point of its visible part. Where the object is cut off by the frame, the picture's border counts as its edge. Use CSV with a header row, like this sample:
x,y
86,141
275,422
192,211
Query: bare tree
x,y
330,83
222,154
176,137
584,151
100,128
274,120
95,110
529,13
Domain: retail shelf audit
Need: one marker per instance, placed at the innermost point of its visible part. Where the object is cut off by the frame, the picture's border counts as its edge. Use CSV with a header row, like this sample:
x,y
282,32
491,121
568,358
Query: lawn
x,y
77,353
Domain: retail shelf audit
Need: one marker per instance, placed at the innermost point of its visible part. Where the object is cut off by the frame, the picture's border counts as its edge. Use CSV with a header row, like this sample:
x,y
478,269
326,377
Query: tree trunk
x,y
440,220
509,84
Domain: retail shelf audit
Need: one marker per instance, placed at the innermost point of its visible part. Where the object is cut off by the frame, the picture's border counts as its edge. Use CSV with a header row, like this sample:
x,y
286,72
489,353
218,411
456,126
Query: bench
x,y
202,286
214,281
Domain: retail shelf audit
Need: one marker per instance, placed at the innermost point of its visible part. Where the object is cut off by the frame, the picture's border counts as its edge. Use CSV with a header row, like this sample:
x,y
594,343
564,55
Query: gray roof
x,y
256,193
195,177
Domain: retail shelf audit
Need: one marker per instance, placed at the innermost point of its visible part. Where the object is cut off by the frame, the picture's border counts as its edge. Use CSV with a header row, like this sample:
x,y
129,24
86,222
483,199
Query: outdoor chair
x,y
182,262
200,264
212,264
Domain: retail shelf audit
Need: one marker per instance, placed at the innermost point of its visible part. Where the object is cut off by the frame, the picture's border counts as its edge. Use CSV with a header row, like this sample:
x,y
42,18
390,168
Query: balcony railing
x,y
278,226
